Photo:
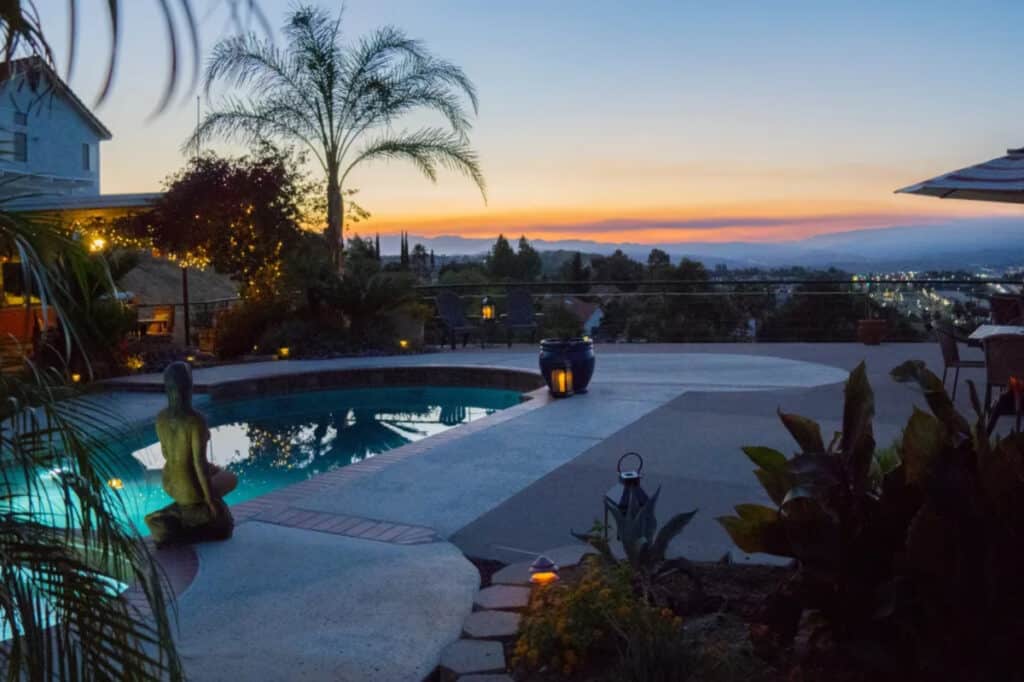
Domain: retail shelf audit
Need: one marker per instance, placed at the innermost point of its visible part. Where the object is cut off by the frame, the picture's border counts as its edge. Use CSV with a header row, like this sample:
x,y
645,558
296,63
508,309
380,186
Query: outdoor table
x,y
978,336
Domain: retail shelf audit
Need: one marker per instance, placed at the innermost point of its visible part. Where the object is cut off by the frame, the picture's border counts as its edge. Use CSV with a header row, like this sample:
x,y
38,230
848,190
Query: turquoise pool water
x,y
275,441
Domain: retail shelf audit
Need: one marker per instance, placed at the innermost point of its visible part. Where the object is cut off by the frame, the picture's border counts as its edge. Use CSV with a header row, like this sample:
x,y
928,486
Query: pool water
x,y
275,441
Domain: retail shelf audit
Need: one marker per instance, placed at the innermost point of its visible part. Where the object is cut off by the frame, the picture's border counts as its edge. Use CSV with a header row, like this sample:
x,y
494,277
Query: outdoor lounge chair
x,y
452,314
1004,358
520,315
949,343
161,323
1006,310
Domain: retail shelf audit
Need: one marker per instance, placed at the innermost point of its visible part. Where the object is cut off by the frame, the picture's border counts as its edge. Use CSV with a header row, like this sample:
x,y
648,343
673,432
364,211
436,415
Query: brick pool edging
x,y
180,564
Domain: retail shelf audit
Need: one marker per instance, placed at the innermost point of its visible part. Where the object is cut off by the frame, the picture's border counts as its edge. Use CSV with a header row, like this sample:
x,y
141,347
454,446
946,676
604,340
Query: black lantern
x,y
626,493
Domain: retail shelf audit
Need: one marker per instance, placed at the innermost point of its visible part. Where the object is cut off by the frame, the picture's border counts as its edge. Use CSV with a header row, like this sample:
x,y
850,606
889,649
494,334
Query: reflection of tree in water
x,y
350,432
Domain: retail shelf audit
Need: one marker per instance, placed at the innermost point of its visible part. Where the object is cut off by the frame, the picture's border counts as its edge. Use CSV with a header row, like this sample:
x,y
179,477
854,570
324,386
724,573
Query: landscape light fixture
x,y
627,494
543,571
283,352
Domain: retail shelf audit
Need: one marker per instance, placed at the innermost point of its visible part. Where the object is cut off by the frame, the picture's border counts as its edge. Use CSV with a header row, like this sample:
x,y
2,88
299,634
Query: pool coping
x,y
180,563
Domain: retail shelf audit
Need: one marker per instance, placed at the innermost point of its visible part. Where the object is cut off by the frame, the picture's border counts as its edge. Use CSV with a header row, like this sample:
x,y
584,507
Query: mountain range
x,y
996,243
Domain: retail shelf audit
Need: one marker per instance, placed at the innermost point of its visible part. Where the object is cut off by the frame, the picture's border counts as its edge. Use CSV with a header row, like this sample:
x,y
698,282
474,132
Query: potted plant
x,y
872,331
577,353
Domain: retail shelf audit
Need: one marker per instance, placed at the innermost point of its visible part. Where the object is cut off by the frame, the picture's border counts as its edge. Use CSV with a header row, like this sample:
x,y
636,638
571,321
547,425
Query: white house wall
x,y
55,134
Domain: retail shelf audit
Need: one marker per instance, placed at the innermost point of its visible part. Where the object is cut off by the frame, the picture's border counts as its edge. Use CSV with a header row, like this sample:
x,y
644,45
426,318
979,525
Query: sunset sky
x,y
648,121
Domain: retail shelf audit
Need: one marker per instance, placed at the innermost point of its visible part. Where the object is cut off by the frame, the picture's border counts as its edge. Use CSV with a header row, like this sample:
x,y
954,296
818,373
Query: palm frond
x,y
426,149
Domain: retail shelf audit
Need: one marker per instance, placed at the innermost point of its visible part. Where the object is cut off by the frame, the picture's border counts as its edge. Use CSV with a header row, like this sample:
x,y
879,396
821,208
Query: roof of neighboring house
x,y
35,69
581,309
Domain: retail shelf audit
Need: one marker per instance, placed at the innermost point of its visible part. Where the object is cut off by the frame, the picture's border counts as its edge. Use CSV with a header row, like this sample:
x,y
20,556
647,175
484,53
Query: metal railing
x,y
754,309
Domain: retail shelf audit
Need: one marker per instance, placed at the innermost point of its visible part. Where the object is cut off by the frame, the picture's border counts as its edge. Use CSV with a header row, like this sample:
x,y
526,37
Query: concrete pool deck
x,y
283,599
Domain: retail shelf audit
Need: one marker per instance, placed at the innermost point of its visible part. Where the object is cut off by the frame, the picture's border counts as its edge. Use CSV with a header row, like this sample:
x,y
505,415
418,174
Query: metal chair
x,y
521,314
949,344
452,314
1004,358
1006,309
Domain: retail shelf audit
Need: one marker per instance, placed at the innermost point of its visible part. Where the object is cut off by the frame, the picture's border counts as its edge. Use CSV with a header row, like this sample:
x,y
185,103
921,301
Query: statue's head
x,y
178,384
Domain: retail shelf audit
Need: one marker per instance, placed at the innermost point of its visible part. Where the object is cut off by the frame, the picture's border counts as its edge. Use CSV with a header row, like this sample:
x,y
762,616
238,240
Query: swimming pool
x,y
274,441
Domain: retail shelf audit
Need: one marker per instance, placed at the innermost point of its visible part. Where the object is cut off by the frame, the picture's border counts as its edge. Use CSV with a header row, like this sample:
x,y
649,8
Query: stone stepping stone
x,y
486,678
513,574
473,656
491,624
503,597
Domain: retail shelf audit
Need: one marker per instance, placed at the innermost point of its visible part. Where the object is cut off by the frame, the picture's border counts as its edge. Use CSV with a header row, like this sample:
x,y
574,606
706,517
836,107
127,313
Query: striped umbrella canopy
x,y
1000,179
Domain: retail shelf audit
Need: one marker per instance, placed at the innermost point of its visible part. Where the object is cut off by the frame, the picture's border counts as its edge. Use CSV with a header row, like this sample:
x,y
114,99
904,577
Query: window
x,y
20,118
20,147
86,165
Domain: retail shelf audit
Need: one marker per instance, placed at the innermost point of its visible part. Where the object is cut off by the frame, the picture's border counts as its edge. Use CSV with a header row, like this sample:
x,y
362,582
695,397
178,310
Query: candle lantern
x,y
561,381
627,496
486,309
543,571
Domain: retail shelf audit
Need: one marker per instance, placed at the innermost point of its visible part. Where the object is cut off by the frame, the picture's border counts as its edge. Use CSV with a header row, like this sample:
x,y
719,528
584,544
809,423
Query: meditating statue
x,y
196,485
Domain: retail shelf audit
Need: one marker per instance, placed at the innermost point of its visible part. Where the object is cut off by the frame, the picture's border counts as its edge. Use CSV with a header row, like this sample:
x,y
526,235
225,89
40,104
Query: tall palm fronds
x,y
341,102
22,34
63,549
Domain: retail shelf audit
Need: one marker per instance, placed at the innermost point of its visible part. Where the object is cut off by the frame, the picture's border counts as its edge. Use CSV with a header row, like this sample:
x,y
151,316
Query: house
x,y
50,147
589,314
49,166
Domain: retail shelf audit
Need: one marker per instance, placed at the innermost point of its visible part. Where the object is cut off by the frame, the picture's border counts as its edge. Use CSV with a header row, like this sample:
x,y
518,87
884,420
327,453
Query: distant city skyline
x,y
664,122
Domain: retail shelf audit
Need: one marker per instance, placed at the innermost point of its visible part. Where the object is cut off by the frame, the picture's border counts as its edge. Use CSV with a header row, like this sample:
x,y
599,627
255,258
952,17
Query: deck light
x,y
115,483
486,309
561,381
627,496
543,571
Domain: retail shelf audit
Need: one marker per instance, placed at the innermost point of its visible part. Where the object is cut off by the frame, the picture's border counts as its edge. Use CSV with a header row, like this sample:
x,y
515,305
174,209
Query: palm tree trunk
x,y
334,218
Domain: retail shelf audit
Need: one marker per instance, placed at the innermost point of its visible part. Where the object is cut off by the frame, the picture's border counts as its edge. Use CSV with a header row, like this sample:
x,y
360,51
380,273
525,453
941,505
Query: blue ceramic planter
x,y
579,353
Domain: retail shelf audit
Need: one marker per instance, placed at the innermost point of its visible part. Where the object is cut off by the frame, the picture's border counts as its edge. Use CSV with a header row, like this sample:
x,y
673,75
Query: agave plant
x,y
643,543
908,563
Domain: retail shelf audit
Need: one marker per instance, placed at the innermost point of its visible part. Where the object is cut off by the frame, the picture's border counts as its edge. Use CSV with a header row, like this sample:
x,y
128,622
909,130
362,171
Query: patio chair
x,y
452,314
949,343
160,323
1004,358
1006,310
521,315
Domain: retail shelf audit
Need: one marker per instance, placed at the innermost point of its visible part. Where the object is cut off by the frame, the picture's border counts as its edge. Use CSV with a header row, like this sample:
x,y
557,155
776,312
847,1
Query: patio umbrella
x,y
1000,179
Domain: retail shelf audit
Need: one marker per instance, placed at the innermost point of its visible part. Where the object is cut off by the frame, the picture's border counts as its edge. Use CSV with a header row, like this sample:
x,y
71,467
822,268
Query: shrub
x,y
239,329
911,565
568,625
559,322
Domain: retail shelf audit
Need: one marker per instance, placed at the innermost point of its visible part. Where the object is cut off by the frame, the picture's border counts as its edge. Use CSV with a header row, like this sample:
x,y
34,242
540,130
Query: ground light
x,y
283,352
116,483
76,377
543,571
561,381
627,495
403,344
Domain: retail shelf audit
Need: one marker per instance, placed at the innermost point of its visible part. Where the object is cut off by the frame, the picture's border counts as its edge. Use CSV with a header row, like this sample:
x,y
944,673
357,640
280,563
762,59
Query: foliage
x,y
528,262
365,302
60,535
903,566
566,625
238,215
558,322
573,269
342,103
240,328
617,267
304,336
501,263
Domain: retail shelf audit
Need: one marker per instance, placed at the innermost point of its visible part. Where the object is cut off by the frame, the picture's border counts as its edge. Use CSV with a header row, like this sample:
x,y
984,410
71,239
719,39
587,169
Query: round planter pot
x,y
579,353
871,332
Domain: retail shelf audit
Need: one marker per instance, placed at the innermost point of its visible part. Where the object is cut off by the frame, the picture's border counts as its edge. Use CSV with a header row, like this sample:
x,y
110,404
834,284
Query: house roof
x,y
35,69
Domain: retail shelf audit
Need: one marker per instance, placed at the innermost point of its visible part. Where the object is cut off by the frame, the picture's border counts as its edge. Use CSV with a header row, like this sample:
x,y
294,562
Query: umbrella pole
x,y
184,304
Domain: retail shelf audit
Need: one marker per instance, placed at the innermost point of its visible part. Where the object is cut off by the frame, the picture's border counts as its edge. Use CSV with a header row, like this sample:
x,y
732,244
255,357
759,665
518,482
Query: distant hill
x,y
966,243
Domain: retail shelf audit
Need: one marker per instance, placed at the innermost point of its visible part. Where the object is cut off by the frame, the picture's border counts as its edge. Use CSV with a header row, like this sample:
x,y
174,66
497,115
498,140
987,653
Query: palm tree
x,y
62,543
341,102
